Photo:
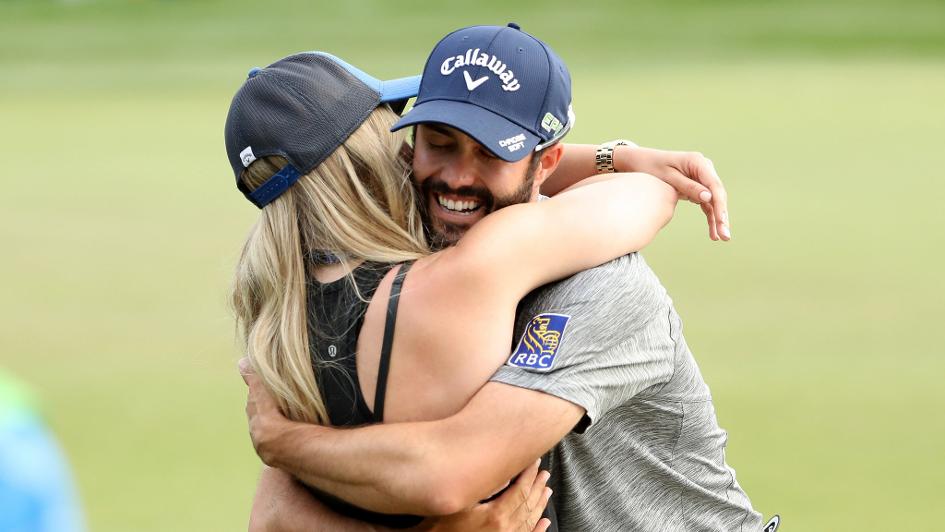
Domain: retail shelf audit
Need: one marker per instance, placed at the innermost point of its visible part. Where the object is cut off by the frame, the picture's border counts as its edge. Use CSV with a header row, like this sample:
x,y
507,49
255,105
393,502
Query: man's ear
x,y
548,162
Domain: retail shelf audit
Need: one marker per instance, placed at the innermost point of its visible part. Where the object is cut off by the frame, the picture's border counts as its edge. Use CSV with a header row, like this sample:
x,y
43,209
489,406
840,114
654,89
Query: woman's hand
x,y
519,509
692,175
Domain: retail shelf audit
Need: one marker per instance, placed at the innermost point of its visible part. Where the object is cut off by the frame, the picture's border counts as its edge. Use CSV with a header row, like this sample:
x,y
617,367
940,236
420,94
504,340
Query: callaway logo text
x,y
473,57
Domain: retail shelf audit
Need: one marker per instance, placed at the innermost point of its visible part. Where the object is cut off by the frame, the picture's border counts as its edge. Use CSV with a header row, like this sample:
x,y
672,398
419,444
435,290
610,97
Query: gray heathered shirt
x,y
652,456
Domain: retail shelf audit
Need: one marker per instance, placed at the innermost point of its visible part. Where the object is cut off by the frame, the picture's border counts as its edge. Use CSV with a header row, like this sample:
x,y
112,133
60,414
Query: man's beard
x,y
442,234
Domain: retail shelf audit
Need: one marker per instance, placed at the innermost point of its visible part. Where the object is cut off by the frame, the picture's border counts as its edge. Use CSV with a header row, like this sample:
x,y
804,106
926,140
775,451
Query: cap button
x,y
252,72
514,26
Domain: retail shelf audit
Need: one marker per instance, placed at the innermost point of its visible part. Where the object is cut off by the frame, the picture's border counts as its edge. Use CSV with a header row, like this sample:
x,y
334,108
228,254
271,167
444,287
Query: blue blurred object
x,y
36,489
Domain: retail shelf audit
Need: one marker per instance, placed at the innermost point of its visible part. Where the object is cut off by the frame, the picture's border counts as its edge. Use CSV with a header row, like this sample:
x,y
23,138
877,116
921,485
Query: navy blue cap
x,y
302,107
499,85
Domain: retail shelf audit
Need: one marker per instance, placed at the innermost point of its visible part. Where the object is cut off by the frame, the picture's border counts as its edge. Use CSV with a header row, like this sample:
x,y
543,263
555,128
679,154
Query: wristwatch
x,y
604,160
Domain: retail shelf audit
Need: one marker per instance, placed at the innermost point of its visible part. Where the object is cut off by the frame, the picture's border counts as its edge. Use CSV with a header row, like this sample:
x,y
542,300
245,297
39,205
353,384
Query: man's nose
x,y
460,172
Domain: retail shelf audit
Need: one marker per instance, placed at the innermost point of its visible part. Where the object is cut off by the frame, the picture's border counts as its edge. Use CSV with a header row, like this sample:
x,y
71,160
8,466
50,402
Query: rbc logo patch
x,y
539,344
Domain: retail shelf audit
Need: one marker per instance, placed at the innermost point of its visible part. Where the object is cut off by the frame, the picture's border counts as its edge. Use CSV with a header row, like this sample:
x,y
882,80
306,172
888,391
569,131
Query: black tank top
x,y
335,315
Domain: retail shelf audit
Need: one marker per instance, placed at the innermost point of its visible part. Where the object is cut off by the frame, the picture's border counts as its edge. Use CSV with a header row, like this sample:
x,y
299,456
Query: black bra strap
x,y
384,368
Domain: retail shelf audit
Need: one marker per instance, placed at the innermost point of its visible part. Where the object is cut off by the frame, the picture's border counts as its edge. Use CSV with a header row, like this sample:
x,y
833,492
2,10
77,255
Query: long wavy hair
x,y
360,204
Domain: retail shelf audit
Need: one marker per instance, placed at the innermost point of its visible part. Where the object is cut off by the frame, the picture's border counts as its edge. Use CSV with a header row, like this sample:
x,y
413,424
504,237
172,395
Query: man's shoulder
x,y
608,302
628,267
580,336
624,277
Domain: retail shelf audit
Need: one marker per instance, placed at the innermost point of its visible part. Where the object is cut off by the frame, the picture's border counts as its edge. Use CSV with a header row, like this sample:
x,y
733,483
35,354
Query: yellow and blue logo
x,y
539,344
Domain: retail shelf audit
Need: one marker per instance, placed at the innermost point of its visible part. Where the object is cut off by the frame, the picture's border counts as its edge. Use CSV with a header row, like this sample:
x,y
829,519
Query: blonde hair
x,y
359,204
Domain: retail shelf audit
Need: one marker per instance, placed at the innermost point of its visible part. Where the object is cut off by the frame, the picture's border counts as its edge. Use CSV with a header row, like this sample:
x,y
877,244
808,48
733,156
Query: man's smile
x,y
457,204
456,209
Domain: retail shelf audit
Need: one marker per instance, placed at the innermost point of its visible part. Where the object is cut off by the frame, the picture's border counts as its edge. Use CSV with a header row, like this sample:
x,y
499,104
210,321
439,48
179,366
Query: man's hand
x,y
519,509
692,175
266,421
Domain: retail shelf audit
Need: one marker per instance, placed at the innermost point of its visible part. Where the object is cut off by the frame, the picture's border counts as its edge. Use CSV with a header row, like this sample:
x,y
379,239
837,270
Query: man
x,y
601,368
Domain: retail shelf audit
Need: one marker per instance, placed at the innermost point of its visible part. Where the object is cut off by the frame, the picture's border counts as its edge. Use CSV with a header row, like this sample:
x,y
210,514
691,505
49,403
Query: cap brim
x,y
394,90
397,92
399,89
504,138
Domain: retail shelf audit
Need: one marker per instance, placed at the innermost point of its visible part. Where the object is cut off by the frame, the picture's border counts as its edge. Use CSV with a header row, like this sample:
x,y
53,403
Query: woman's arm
x,y
576,164
692,175
521,247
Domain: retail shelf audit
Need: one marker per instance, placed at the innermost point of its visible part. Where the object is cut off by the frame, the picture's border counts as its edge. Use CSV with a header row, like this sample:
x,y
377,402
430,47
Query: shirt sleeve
x,y
595,339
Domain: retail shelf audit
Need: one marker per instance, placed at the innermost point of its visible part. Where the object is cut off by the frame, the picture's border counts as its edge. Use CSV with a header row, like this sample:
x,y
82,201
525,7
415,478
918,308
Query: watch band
x,y
604,159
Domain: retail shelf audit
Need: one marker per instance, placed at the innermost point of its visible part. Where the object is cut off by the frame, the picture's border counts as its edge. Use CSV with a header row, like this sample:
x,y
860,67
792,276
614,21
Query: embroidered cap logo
x,y
475,57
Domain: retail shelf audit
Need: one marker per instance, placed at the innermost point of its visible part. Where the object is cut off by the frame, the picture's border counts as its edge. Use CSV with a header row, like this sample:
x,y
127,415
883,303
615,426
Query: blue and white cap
x,y
499,85
302,107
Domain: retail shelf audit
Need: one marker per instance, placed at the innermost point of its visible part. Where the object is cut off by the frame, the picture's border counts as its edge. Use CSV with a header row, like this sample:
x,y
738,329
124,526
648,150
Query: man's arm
x,y
283,504
692,175
423,468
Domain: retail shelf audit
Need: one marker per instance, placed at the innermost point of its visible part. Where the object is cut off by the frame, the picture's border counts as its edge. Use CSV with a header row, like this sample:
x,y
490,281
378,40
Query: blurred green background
x,y
815,328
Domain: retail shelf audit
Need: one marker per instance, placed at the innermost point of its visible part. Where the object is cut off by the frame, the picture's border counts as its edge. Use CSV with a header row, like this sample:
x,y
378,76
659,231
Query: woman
x,y
338,219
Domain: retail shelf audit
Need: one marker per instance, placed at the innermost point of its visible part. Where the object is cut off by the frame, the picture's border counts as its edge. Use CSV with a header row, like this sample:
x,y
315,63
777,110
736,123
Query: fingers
x,y
536,496
523,484
527,491
245,369
695,191
710,217
710,178
260,398
688,189
542,525
521,506
521,487
701,169
526,478
694,177
538,499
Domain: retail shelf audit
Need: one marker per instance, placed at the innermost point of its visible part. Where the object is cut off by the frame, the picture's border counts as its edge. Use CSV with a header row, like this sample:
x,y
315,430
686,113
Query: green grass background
x,y
817,327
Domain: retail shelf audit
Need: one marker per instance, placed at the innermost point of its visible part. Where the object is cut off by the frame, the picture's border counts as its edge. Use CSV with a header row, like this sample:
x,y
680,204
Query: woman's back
x,y
335,312
448,342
